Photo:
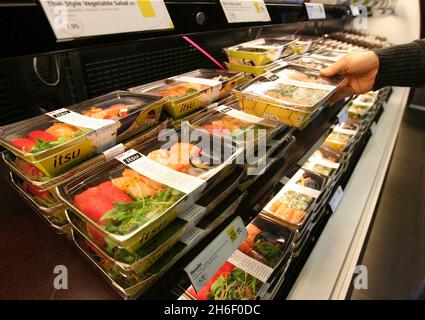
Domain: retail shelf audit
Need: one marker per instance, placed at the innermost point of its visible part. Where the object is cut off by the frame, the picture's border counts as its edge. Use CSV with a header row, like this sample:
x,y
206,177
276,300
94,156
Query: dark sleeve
x,y
401,66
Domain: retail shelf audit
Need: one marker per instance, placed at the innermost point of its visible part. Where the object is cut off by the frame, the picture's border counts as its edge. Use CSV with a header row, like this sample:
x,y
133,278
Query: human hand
x,y
359,70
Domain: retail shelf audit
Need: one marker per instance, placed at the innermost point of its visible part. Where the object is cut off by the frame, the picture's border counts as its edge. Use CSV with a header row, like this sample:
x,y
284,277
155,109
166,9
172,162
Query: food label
x,y
245,10
315,11
105,130
160,173
113,152
336,199
355,11
210,260
192,236
206,82
240,115
323,162
343,115
255,268
194,214
76,19
345,131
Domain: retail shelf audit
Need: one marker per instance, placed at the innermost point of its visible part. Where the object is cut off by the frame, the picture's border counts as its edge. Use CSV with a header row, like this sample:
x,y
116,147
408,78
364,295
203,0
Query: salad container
x,y
58,140
245,274
190,91
39,180
131,287
290,95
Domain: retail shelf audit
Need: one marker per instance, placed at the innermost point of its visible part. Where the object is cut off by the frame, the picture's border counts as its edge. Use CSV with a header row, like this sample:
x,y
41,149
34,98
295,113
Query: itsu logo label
x,y
132,158
60,114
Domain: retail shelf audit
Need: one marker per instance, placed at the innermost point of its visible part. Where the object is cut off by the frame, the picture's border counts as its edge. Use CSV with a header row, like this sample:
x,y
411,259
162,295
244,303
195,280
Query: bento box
x,y
296,201
290,95
39,181
131,287
188,92
250,70
245,274
58,140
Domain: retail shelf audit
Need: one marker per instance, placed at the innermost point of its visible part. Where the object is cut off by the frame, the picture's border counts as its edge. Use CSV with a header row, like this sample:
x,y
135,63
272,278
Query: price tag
x,y
355,11
210,260
76,19
343,115
336,199
245,11
315,11
373,127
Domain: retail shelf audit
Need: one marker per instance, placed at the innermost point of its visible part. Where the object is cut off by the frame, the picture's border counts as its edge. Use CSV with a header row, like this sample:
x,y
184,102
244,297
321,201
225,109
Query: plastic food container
x,y
266,247
238,125
294,203
252,70
329,54
255,53
54,216
290,95
130,287
340,140
323,162
311,63
172,173
190,91
31,175
138,262
56,143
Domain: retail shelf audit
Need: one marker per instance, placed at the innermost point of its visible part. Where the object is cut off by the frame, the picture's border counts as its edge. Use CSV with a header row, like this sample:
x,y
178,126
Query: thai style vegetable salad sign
x,y
245,11
76,19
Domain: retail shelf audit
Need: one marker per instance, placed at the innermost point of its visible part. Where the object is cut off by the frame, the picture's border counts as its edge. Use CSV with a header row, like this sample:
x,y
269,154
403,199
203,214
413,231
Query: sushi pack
x,y
189,92
290,94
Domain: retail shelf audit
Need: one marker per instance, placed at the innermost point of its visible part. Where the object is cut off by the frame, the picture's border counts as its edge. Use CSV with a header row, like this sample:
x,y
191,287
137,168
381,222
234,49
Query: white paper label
x,y
192,236
315,11
348,132
210,260
206,82
194,214
343,115
76,19
105,130
254,267
323,162
336,199
245,10
160,173
243,116
113,152
355,11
